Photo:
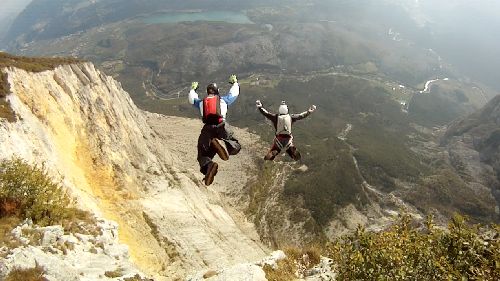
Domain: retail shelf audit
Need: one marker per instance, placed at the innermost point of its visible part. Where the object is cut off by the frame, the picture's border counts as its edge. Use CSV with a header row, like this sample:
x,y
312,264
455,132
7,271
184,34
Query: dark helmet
x,y
212,89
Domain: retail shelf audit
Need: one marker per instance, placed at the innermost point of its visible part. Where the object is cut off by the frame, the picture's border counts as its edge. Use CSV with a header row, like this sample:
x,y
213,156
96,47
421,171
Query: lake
x,y
225,16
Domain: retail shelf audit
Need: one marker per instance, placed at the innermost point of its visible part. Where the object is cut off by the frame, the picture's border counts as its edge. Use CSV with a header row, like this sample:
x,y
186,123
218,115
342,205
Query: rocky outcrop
x,y
323,271
70,256
89,133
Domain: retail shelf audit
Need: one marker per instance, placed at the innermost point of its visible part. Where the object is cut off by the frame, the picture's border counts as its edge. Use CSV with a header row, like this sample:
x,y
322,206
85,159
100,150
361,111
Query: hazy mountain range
x,y
463,33
10,9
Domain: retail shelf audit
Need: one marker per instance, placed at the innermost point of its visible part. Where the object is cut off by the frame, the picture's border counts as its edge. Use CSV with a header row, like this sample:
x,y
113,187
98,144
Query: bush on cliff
x,y
6,111
27,274
407,251
27,191
295,265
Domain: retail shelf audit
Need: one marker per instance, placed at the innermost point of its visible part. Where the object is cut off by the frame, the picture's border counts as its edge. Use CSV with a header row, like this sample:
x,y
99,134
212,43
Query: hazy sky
x,y
9,7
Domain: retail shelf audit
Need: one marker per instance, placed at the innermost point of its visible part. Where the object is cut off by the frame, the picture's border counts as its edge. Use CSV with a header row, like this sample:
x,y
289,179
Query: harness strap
x,y
285,146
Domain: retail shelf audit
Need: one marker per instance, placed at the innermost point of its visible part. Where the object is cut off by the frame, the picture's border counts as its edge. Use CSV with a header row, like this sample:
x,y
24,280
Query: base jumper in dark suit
x,y
215,136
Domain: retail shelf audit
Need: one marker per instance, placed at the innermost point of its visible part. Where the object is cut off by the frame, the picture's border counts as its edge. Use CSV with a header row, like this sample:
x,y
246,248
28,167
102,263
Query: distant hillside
x,y
46,19
394,156
10,10
481,132
483,124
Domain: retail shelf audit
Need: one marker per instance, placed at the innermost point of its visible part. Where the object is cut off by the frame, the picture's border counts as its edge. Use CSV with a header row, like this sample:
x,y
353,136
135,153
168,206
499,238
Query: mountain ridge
x,y
480,132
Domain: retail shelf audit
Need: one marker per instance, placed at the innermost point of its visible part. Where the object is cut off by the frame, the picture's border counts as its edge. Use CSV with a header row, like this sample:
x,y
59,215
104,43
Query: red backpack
x,y
211,110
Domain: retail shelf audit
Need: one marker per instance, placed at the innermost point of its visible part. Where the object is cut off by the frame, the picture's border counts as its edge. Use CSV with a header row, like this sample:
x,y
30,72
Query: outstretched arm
x,y
193,96
264,112
234,92
297,117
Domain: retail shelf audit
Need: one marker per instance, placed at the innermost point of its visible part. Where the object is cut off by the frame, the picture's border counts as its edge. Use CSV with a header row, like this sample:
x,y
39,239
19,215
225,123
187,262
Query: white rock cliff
x,y
120,164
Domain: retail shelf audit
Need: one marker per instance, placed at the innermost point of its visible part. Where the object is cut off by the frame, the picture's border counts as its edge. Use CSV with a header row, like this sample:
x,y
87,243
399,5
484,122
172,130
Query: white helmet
x,y
283,109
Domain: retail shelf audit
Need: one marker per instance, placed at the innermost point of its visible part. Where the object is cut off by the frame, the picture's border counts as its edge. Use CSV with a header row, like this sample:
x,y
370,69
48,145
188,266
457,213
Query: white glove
x,y
258,103
312,108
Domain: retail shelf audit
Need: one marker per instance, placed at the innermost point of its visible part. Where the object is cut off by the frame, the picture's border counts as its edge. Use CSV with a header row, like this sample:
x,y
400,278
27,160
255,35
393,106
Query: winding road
x,y
428,84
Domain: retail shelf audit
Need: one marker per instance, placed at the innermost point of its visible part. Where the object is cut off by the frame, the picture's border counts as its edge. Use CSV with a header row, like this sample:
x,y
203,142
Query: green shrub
x,y
6,238
4,86
79,221
407,251
30,274
29,192
114,274
136,277
6,111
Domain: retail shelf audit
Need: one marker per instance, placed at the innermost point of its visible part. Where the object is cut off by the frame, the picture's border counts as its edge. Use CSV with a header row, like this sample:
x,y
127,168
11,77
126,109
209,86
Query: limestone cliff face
x,y
88,132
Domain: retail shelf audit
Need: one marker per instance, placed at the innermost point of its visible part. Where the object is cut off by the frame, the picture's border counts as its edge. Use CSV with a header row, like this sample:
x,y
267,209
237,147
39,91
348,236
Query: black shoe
x,y
271,155
211,172
219,147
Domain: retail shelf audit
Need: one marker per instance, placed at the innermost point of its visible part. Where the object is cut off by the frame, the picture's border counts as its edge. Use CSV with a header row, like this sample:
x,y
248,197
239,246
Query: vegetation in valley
x,y
332,180
441,106
384,155
259,187
330,183
379,140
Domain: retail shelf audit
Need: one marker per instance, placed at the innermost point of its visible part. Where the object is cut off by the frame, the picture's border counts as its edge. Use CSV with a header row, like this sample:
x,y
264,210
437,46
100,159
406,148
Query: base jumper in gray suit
x,y
282,123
